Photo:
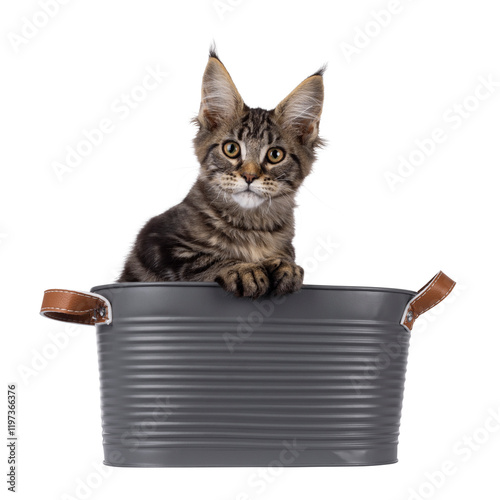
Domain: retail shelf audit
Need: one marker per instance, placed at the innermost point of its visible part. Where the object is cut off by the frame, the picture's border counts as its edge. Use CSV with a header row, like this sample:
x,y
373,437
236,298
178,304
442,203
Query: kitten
x,y
236,225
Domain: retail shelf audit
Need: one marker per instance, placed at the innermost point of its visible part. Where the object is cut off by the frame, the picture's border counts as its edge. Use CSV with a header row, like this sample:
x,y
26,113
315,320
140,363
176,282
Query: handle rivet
x,y
409,316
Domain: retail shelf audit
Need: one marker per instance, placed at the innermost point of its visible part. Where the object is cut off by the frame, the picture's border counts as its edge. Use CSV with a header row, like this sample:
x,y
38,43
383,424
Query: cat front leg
x,y
244,279
285,276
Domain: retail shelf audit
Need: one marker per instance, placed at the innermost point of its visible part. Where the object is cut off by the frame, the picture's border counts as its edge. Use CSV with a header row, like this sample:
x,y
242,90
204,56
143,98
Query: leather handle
x,y
76,307
426,298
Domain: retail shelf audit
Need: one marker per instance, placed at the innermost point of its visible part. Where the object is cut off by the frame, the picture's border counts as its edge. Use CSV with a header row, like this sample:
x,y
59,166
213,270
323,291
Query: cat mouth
x,y
248,198
248,191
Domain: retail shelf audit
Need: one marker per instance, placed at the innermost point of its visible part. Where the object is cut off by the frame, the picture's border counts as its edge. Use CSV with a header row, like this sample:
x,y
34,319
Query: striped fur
x,y
236,224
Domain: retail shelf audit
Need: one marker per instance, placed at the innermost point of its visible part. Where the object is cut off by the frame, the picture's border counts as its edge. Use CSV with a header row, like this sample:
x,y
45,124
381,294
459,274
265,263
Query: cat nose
x,y
249,178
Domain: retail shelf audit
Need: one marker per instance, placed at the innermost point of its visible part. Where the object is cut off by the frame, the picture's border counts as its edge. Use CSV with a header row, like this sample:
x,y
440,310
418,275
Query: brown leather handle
x,y
76,307
426,298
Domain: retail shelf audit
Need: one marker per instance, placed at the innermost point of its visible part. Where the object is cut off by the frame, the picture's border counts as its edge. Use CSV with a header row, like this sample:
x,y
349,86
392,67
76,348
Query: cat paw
x,y
244,280
286,276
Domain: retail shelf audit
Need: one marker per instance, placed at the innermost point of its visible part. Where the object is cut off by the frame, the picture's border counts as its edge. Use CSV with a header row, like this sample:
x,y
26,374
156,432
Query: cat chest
x,y
251,246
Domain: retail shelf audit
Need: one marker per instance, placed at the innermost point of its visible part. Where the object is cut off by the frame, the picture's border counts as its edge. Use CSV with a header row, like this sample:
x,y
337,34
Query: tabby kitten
x,y
236,225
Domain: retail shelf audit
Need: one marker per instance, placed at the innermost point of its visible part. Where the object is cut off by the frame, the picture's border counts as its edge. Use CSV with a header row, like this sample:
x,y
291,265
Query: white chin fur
x,y
247,199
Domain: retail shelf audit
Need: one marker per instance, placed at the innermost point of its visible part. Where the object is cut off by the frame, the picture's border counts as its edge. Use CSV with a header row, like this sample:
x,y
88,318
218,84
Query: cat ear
x,y
220,100
301,110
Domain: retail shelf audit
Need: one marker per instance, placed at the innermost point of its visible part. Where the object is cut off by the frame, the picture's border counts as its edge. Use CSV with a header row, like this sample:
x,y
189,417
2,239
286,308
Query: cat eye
x,y
231,149
275,155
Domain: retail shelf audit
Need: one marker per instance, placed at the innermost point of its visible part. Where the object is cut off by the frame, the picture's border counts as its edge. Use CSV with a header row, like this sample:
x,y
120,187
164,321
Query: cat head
x,y
250,155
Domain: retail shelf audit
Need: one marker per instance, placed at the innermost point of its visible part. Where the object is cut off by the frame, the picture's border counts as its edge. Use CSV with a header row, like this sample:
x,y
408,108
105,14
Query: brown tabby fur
x,y
227,229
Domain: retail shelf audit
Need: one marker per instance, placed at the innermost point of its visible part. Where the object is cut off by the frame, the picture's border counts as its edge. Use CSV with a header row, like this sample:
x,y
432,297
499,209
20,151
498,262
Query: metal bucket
x,y
191,376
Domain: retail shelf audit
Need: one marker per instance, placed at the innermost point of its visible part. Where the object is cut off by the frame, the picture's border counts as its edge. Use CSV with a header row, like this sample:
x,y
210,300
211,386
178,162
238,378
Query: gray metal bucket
x,y
191,376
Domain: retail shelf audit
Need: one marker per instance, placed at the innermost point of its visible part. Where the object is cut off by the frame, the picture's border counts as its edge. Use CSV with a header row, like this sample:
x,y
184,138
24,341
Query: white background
x,y
397,86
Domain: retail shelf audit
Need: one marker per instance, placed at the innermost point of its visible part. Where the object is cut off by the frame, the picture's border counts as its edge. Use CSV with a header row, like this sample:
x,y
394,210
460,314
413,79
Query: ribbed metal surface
x,y
193,377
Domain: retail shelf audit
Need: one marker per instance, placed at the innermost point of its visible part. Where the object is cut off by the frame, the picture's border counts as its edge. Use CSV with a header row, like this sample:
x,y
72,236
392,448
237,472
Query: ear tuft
x,y
321,71
220,99
301,110
212,51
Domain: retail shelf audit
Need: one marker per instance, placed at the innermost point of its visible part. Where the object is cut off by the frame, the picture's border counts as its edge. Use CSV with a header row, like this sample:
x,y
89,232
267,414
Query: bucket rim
x,y
209,284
